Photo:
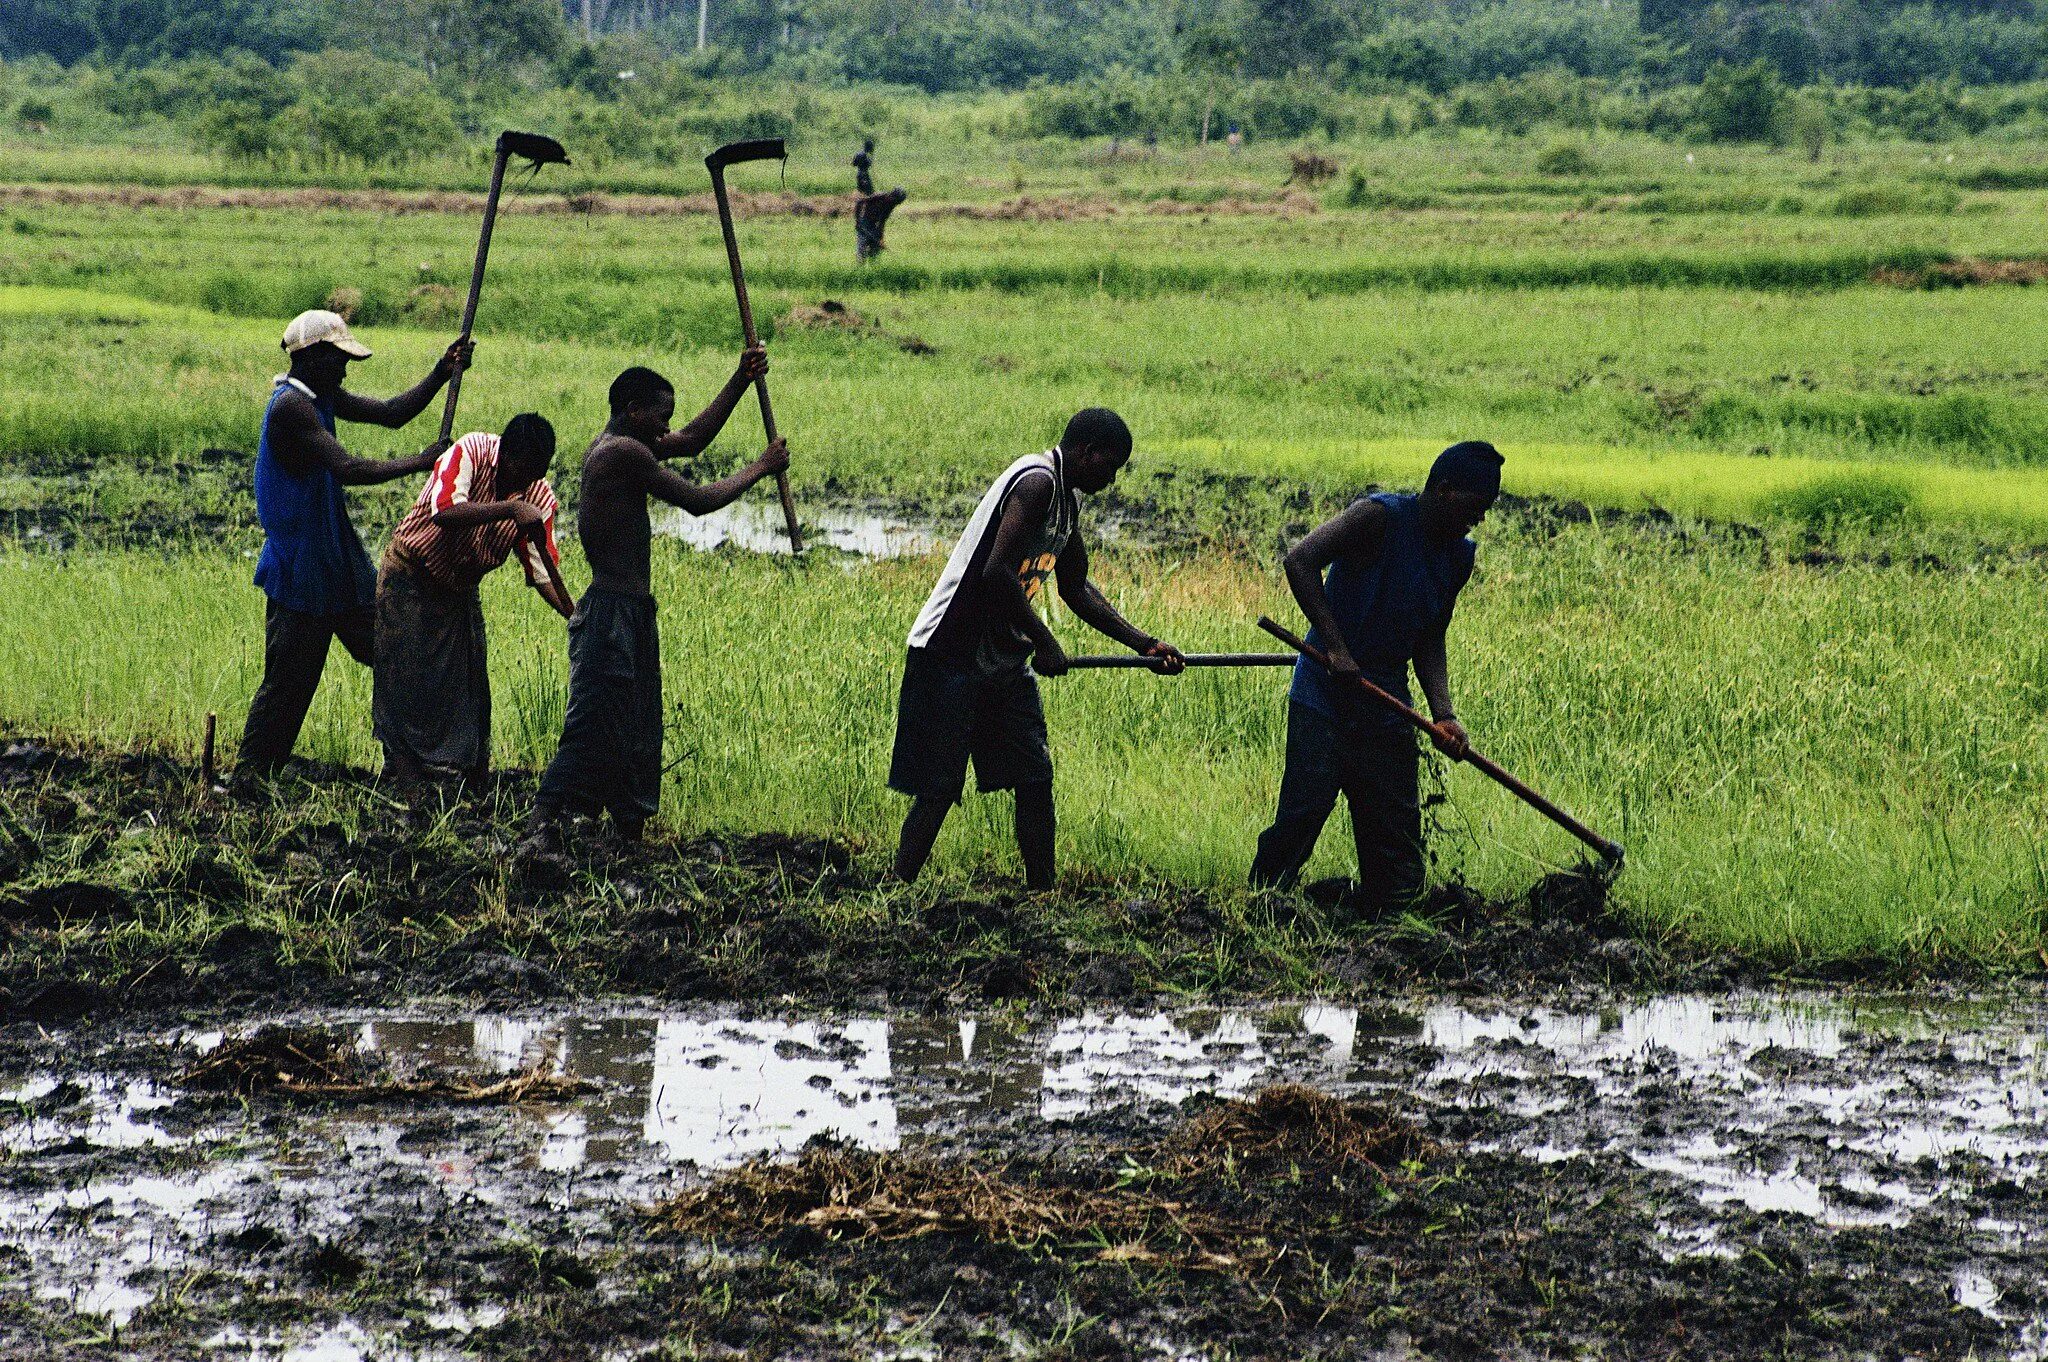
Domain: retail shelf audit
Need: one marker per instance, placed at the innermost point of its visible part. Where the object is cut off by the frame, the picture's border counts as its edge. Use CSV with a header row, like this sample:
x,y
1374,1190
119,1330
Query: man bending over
x,y
969,693
1396,563
487,497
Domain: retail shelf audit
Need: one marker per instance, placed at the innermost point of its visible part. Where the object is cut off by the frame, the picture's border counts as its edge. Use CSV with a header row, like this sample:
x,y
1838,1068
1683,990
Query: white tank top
x,y
942,619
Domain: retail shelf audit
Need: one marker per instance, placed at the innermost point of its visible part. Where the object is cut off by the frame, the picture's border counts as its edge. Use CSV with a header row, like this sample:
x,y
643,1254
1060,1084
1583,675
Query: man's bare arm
x,y
467,515
304,444
393,412
664,484
695,435
1026,509
1088,603
1357,533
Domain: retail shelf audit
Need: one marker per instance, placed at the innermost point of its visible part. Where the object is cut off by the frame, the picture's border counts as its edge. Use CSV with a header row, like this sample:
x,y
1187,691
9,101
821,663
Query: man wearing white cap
x,y
318,579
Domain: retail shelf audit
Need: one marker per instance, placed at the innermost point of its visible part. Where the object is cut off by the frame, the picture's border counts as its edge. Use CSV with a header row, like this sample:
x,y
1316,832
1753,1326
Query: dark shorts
x,y
432,698
953,710
610,755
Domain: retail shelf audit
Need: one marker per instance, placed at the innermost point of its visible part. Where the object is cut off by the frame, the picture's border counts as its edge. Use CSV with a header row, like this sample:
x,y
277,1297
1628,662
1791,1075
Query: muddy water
x,y
756,526
1862,1116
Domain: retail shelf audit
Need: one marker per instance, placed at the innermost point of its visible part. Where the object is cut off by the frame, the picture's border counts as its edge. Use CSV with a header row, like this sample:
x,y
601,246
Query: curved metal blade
x,y
531,146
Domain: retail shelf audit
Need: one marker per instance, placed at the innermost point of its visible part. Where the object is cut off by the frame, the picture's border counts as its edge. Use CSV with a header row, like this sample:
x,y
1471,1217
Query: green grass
x,y
1806,765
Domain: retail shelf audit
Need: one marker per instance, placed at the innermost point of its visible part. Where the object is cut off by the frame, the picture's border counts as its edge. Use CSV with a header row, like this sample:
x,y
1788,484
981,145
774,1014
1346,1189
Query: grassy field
x,y
1805,763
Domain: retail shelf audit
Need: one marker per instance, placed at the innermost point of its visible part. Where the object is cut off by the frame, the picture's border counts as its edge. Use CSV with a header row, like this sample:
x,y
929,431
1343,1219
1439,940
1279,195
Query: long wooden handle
x,y
1610,851
739,288
547,561
1109,660
476,285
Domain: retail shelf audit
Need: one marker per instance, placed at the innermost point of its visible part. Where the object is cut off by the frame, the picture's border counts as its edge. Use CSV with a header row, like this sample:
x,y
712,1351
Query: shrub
x,y
1863,499
1564,158
34,110
1739,103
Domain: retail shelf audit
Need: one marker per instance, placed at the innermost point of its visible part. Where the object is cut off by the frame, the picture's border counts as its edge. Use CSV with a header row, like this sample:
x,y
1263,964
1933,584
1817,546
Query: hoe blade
x,y
531,146
766,149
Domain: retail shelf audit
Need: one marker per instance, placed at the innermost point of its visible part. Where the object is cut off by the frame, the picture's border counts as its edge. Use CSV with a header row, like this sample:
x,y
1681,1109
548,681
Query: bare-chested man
x,y
609,759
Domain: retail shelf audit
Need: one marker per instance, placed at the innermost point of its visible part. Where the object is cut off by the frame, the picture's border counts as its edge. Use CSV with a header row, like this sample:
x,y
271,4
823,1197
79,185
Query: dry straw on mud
x,y
304,1062
857,1194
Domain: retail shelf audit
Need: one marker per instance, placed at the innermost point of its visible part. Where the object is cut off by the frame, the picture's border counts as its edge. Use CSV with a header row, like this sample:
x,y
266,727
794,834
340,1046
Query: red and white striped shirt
x,y
458,559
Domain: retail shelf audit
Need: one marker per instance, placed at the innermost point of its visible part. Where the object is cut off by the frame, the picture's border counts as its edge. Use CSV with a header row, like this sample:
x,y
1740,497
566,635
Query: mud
x,y
127,890
1423,1178
1023,208
1965,273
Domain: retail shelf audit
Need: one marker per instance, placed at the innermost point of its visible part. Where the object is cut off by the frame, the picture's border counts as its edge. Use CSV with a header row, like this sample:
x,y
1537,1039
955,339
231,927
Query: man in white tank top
x,y
969,691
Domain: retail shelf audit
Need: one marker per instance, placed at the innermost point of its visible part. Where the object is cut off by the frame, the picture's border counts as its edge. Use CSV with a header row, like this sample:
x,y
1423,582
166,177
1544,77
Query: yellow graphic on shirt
x,y
1031,574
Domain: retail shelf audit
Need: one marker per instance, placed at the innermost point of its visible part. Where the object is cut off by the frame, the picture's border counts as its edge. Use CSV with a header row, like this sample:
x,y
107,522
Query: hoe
x,y
735,153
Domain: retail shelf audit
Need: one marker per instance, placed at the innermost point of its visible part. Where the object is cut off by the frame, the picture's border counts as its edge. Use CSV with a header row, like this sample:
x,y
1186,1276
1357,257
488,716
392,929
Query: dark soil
x,y
129,891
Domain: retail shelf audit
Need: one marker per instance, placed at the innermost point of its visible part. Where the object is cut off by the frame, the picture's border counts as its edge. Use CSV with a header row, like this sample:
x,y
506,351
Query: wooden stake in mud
x,y
528,146
734,153
206,755
1104,661
1609,851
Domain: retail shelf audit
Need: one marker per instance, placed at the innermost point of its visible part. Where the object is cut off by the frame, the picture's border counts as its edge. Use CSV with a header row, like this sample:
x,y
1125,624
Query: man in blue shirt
x,y
1395,565
313,569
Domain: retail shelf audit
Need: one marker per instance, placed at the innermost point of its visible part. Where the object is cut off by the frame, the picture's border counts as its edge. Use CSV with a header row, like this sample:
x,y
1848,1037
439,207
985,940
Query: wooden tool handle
x,y
1609,851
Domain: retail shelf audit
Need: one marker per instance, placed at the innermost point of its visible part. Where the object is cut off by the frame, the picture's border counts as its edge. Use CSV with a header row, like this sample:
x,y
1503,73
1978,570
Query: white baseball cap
x,y
311,328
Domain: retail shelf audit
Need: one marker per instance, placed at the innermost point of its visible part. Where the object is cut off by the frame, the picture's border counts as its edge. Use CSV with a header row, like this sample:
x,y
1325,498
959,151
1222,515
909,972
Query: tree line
x,y
940,45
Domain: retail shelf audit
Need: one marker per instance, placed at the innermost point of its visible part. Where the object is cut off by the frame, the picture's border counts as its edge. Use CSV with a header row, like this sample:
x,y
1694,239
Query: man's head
x,y
1463,484
1096,445
321,345
643,402
524,452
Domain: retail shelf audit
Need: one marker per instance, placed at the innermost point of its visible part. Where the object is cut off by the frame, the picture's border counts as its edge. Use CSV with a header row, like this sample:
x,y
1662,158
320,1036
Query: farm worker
x,y
486,498
864,167
1396,563
313,569
870,210
609,759
969,692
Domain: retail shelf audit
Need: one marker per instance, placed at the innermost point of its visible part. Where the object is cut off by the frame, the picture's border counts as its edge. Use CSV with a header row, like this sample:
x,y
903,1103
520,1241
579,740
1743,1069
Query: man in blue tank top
x,y
313,569
1395,565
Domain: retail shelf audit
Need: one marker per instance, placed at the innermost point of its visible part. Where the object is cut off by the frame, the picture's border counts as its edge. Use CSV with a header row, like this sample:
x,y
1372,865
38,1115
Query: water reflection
x,y
757,527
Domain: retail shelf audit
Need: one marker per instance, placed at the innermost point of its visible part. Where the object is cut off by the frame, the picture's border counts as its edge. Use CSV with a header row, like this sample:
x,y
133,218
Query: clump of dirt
x,y
1310,168
1965,273
309,1062
833,315
1290,1124
431,304
344,300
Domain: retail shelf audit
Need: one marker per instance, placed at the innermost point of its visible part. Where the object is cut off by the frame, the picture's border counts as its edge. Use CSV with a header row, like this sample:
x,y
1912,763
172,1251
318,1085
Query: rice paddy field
x,y
1794,654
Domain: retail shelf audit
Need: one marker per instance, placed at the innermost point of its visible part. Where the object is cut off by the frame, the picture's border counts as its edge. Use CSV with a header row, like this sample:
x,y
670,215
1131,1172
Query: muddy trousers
x,y
294,655
1375,769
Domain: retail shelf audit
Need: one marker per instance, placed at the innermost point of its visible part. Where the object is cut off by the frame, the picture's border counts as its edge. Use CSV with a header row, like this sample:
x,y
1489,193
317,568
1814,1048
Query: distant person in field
x,y
487,498
870,210
609,759
1378,584
313,569
969,693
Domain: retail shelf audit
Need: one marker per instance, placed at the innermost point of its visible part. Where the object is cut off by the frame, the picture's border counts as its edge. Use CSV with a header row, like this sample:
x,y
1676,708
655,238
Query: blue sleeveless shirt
x,y
312,560
1383,609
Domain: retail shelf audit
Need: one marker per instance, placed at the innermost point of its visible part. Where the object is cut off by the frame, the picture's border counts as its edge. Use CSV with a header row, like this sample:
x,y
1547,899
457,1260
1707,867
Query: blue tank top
x,y
312,560
1383,609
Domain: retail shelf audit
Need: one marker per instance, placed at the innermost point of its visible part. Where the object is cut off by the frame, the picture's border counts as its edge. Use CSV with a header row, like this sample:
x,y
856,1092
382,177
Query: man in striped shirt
x,y
486,498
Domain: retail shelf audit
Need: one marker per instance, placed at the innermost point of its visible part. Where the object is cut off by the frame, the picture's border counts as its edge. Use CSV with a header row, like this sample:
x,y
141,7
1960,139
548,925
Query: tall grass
x,y
1803,764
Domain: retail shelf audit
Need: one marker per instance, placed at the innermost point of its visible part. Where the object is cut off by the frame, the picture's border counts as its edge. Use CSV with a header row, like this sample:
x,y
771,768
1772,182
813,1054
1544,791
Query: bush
x,y
1847,500
1564,158
1739,103
34,110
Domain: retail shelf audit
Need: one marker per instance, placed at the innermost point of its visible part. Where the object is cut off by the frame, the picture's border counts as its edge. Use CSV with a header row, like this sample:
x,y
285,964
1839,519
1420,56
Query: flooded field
x,y
1898,1140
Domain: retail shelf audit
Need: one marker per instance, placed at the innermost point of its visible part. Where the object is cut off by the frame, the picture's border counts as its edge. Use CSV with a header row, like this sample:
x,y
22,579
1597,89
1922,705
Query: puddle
x,y
756,526
1842,1114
